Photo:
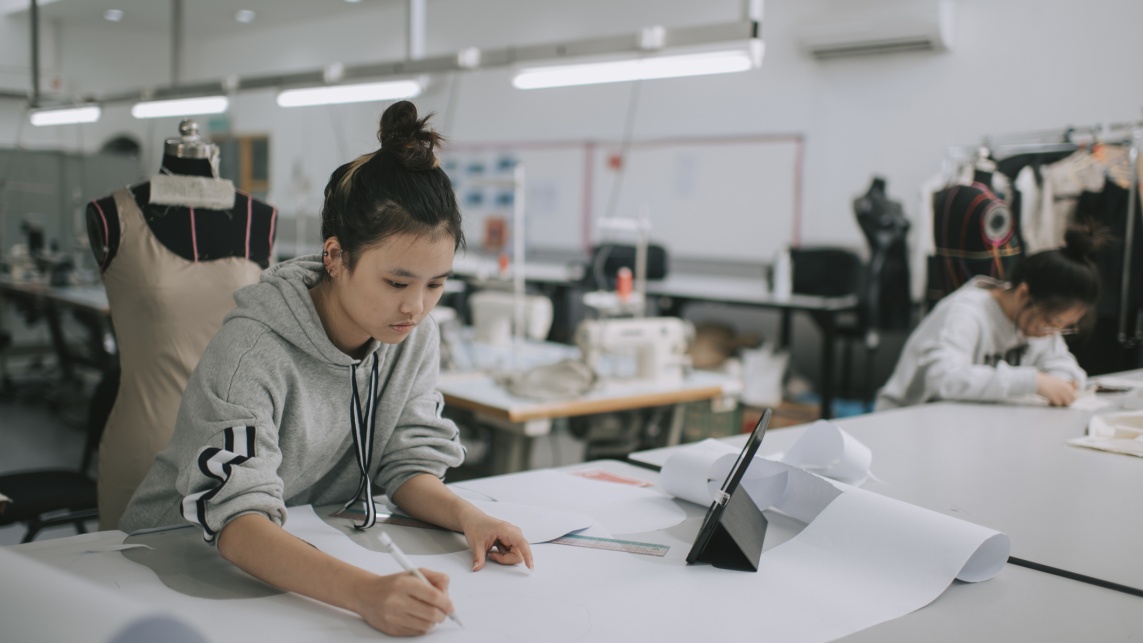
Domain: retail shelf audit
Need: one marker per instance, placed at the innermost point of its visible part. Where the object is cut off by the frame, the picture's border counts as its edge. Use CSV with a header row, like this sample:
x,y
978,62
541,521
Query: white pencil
x,y
404,562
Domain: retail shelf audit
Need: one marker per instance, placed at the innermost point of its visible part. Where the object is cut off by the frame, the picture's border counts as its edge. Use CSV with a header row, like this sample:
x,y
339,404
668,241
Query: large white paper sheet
x,y
870,527
617,508
818,586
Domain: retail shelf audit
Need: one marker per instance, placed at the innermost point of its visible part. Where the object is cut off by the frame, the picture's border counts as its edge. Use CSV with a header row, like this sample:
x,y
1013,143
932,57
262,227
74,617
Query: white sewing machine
x,y
660,344
494,312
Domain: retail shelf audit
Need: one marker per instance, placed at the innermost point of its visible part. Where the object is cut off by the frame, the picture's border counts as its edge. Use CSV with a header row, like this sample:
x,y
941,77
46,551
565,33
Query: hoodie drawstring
x,y
362,431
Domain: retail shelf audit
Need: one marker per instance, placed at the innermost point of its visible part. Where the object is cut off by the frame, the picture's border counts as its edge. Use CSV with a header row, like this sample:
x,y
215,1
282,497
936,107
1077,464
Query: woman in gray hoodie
x,y
320,389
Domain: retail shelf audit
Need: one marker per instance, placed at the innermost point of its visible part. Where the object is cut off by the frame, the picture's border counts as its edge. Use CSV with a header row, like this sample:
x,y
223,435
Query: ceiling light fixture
x,y
334,94
66,115
113,15
245,16
650,68
180,107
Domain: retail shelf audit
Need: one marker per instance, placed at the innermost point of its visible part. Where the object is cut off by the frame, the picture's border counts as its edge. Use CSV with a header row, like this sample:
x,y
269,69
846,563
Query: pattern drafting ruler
x,y
613,544
592,542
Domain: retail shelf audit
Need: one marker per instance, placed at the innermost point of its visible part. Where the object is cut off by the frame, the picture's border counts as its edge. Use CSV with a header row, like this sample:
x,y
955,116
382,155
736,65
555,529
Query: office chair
x,y
837,272
45,498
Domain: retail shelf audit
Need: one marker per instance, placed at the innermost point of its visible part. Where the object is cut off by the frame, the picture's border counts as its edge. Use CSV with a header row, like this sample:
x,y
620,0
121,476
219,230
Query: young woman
x,y
993,341
326,362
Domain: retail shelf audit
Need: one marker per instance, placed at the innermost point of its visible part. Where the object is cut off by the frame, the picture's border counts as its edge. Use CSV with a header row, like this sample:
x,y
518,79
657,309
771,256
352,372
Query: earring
x,y
325,253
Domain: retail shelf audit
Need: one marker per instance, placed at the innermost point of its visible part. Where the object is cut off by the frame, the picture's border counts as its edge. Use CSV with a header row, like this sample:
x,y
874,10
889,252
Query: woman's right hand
x,y
1058,392
403,605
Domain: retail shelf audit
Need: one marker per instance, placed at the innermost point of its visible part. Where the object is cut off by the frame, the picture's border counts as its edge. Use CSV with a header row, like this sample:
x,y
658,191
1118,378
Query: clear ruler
x,y
629,546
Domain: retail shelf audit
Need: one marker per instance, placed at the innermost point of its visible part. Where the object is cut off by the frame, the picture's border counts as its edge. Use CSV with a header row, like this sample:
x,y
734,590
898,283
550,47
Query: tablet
x,y
711,523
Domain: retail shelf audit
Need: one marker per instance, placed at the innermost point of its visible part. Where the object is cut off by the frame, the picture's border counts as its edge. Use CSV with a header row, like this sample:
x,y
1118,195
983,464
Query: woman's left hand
x,y
495,539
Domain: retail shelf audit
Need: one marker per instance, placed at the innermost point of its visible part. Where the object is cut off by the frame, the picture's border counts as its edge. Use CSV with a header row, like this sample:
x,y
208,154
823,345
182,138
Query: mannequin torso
x,y
244,230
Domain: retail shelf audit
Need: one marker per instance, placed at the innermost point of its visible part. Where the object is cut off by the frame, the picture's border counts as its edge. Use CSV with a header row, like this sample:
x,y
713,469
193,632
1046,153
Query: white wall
x,y
1016,65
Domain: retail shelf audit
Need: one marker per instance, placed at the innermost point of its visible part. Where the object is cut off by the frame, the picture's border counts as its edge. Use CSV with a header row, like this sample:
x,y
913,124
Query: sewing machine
x,y
660,344
494,312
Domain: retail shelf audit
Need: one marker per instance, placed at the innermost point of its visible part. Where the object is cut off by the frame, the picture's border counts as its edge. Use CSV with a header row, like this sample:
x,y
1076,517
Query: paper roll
x,y
39,603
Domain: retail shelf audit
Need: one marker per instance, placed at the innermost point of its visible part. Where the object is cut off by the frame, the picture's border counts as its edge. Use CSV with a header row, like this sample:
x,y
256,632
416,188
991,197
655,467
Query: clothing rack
x,y
1128,133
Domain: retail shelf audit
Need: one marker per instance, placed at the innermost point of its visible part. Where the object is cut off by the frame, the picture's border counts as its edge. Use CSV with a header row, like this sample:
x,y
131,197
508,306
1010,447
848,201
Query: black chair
x,y
51,497
837,272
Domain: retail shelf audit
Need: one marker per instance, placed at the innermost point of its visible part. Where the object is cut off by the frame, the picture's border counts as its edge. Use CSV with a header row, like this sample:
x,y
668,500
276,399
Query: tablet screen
x,y
733,478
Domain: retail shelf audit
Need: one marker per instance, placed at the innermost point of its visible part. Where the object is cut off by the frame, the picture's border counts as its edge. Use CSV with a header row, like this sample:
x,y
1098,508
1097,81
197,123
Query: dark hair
x,y
398,189
1061,278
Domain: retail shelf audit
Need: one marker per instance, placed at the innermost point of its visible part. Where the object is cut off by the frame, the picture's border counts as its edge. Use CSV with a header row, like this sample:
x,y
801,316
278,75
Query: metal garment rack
x,y
1128,133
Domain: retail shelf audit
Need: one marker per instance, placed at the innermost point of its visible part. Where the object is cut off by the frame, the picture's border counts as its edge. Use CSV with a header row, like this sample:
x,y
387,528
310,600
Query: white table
x,y
1007,468
1017,605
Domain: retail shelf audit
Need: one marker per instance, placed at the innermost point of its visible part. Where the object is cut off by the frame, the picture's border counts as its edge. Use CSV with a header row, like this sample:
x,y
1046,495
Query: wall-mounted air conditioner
x,y
862,28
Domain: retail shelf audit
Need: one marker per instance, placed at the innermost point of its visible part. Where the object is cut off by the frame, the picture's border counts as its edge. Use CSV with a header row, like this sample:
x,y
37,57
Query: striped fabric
x,y
216,463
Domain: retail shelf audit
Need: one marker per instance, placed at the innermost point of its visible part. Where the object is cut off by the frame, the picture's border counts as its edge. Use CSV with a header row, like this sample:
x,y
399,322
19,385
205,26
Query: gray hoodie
x,y
264,422
967,349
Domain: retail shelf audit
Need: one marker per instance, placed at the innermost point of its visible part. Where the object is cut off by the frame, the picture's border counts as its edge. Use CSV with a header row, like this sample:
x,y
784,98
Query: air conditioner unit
x,y
862,28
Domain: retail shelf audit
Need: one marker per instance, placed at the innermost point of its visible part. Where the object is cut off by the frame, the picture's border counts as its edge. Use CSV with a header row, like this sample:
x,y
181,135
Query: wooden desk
x,y
1007,468
518,421
1017,605
752,291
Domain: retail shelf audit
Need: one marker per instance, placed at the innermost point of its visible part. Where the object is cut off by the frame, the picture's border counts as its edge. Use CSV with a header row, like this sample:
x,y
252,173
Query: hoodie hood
x,y
281,300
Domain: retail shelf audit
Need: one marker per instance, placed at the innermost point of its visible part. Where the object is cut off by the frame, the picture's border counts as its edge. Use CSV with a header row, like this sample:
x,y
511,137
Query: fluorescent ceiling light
x,y
66,116
180,107
349,93
245,16
113,15
617,71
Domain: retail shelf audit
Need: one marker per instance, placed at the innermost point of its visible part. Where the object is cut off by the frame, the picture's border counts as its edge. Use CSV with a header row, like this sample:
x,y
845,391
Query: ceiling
x,y
200,18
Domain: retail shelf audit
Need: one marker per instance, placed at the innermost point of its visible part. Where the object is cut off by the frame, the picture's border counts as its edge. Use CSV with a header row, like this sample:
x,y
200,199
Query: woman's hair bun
x,y
1083,240
407,138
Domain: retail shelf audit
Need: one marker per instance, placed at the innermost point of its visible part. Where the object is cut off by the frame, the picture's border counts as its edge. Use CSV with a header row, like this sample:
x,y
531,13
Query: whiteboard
x,y
713,199
722,199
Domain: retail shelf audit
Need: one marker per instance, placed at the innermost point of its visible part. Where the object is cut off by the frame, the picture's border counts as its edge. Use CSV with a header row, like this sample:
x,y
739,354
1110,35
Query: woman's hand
x,y
1059,392
500,541
403,605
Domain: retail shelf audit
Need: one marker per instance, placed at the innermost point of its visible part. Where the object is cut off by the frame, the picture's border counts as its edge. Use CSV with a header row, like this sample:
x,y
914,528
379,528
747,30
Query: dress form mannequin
x,y
883,222
172,252
216,236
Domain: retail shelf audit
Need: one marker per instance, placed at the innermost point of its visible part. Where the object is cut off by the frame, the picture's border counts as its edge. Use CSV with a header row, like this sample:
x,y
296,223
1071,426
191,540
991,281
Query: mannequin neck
x,y
186,167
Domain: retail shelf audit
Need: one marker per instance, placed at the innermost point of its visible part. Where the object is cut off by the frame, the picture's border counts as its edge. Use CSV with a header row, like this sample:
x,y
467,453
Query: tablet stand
x,y
737,540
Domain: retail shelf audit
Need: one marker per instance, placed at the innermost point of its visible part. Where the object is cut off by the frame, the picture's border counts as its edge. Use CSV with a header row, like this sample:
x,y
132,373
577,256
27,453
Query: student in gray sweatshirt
x,y
993,341
319,389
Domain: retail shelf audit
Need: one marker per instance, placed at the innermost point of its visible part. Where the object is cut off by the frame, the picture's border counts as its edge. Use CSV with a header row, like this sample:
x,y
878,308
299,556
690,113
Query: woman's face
x,y
394,285
1041,323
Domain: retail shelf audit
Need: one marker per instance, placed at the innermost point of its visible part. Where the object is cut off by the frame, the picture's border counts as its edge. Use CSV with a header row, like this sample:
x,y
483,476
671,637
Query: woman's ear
x,y
331,256
1023,294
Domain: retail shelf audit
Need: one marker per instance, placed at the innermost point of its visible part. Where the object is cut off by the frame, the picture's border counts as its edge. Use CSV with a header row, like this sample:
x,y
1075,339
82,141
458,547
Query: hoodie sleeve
x,y
232,468
949,371
422,441
1051,355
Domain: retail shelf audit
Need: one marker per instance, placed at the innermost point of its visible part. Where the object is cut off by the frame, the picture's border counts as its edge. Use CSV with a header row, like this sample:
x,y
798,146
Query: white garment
x,y
1040,224
968,349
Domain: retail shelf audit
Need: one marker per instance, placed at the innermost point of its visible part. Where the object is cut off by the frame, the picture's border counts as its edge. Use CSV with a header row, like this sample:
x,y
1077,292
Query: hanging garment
x,y
164,309
1100,351
974,233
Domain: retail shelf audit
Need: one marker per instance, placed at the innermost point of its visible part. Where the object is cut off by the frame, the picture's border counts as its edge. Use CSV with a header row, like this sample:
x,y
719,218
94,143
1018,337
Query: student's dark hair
x,y
1061,278
398,189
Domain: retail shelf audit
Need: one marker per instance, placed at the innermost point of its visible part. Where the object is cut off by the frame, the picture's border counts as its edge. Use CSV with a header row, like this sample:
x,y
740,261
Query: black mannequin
x,y
218,233
883,222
